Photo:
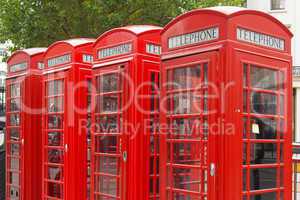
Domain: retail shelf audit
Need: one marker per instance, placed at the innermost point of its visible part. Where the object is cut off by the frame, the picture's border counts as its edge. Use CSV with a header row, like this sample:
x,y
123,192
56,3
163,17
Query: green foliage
x,y
30,23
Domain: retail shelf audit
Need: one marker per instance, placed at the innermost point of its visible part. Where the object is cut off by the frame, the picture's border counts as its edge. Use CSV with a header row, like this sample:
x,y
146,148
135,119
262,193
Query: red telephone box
x,y
24,124
125,101
65,98
226,103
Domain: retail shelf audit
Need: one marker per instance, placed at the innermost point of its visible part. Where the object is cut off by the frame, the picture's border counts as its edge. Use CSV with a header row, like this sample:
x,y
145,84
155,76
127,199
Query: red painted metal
x,y
65,125
23,114
125,132
214,143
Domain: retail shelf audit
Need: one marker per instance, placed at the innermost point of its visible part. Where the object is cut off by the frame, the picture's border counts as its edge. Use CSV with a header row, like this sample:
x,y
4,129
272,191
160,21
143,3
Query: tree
x,y
32,23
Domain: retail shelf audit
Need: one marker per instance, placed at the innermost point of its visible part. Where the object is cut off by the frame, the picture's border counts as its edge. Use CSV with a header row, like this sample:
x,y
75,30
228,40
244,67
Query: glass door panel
x,y
14,140
264,126
187,137
54,140
107,136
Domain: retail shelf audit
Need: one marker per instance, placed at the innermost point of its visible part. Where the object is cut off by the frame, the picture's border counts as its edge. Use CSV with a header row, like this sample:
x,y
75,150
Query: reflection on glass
x,y
55,104
263,128
55,156
107,83
14,134
188,77
15,164
187,179
107,185
55,139
263,78
108,124
185,103
109,103
186,128
55,87
55,190
108,165
55,173
263,178
14,178
263,153
15,90
55,122
14,119
106,144
263,103
15,149
15,105
186,153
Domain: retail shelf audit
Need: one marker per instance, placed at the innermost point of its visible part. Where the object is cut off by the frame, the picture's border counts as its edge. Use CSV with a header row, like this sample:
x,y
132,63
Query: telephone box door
x,y
189,165
109,141
54,138
15,140
266,86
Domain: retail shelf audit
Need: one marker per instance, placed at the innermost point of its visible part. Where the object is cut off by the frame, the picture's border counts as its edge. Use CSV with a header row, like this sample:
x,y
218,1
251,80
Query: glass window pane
x,y
55,139
105,164
55,190
14,134
277,4
55,104
186,103
108,124
106,144
108,103
55,173
263,103
186,129
15,90
55,156
55,122
187,179
15,105
263,178
265,196
188,77
55,87
15,149
263,128
187,153
14,119
263,78
263,153
107,83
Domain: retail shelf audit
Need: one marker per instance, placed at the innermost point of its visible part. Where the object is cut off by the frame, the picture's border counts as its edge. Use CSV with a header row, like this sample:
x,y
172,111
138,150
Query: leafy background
x,y
35,23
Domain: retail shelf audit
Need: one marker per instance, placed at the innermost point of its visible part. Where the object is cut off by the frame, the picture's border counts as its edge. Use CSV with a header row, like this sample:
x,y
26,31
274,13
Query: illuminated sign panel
x,y
87,58
59,60
194,38
153,49
18,67
260,39
116,50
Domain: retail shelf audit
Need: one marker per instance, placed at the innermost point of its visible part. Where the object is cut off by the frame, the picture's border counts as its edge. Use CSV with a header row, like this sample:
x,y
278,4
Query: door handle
x,y
212,169
125,156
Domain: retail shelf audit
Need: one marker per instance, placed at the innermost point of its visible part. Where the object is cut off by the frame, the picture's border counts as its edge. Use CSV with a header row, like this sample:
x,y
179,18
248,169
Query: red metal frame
x,y
124,135
65,126
268,164
23,111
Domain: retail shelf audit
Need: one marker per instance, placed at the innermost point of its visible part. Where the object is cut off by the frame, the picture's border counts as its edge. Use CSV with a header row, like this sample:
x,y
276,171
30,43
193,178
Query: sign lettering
x,y
59,60
114,51
194,38
18,67
260,39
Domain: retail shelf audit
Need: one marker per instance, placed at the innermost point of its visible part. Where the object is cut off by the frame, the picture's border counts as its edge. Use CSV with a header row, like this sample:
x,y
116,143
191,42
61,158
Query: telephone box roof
x,y
30,52
228,12
133,29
